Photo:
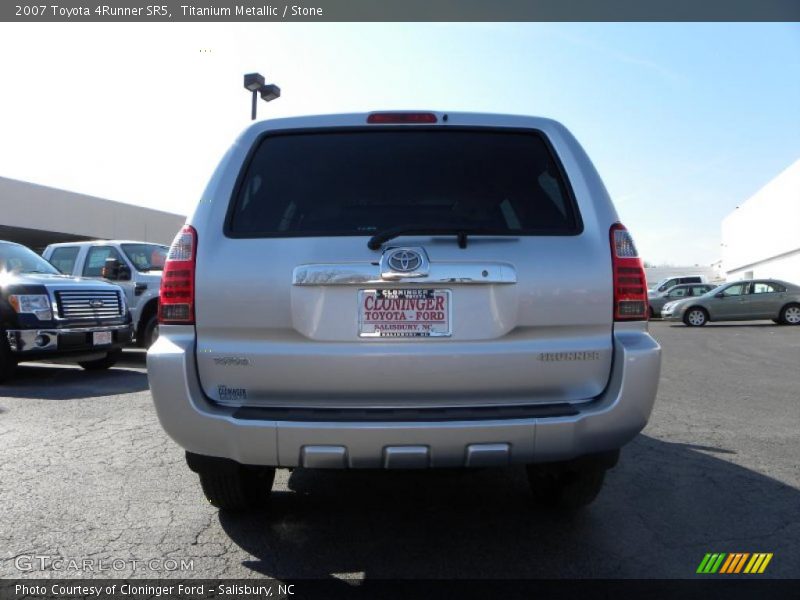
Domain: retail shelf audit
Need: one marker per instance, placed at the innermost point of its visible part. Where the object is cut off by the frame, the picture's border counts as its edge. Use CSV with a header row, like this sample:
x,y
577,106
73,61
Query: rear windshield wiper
x,y
379,238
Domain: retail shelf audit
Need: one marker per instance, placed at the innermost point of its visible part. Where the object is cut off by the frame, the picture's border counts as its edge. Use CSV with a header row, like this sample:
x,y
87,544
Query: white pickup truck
x,y
135,266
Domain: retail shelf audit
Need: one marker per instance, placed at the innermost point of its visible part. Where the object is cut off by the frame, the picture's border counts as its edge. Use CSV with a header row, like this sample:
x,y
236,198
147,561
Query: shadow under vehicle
x,y
664,507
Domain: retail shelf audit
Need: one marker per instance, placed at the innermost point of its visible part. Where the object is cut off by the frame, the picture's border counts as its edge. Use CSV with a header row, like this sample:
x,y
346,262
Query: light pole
x,y
254,82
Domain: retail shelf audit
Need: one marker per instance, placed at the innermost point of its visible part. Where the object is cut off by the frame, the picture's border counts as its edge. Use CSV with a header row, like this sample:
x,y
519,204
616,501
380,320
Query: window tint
x,y
738,289
678,293
690,280
146,257
19,259
63,259
96,260
363,182
699,290
767,288
668,284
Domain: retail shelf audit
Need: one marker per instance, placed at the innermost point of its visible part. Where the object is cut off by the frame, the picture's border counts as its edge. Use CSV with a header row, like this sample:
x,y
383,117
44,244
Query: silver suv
x,y
404,290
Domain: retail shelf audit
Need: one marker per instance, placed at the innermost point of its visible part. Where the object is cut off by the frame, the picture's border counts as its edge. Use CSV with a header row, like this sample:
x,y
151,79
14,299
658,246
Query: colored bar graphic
x,y
751,564
727,564
741,562
717,564
734,563
765,563
711,562
703,563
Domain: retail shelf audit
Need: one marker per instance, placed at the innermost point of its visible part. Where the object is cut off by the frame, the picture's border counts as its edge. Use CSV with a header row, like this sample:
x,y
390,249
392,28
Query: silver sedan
x,y
739,301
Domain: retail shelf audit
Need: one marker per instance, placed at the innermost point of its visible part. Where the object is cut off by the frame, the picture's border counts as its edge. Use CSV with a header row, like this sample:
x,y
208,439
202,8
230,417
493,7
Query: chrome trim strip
x,y
439,273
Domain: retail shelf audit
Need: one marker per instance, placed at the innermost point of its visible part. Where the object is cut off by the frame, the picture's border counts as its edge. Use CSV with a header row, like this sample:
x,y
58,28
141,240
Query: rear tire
x,y
790,314
8,363
695,317
108,361
238,489
570,485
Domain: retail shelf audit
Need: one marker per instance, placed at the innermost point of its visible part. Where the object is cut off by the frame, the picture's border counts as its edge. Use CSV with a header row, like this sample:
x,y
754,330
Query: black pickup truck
x,y
45,315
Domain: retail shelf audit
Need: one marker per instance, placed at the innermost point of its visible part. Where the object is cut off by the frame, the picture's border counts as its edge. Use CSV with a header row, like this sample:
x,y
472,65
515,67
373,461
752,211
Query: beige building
x,y
36,215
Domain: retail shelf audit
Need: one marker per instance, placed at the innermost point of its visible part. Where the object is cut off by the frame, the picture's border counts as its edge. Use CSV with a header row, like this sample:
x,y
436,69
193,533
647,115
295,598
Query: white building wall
x,y
761,238
785,267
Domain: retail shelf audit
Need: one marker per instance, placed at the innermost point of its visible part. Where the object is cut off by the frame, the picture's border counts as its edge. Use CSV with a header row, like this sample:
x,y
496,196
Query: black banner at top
x,y
398,10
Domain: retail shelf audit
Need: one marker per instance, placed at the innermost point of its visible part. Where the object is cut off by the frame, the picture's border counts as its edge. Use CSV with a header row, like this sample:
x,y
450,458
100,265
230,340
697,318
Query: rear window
x,y
363,182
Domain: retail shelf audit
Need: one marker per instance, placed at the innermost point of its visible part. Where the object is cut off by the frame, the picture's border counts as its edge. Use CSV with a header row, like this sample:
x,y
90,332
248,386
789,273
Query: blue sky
x,y
683,121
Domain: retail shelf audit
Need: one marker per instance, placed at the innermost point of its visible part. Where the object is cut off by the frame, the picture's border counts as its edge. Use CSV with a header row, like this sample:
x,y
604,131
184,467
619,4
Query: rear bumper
x,y
201,427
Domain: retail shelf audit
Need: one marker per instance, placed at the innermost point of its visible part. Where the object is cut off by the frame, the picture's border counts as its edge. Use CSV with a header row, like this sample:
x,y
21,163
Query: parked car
x,y
739,301
404,290
45,315
678,292
135,266
669,282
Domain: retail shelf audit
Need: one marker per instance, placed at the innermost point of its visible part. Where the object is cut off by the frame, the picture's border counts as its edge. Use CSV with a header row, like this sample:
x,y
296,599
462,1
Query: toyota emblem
x,y
403,260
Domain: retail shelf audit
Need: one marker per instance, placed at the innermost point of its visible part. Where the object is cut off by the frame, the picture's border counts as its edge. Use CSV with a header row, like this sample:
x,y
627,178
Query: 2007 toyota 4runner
x,y
404,290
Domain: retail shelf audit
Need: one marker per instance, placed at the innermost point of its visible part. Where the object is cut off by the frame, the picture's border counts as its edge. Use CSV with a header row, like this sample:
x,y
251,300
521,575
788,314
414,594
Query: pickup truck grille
x,y
88,304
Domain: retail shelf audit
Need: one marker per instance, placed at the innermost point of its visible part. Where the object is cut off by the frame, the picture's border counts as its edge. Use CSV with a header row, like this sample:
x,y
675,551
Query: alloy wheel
x,y
696,318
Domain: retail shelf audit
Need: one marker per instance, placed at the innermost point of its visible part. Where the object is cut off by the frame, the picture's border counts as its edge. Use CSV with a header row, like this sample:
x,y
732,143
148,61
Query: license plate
x,y
101,338
404,313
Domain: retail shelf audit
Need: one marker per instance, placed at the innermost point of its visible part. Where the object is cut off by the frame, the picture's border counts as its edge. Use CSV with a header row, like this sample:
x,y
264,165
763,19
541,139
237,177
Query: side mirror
x,y
113,270
110,269
719,295
124,273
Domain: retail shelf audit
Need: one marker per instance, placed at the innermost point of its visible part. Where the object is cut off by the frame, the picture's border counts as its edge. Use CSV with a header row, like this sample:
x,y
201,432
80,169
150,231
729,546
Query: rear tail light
x,y
630,284
176,298
401,117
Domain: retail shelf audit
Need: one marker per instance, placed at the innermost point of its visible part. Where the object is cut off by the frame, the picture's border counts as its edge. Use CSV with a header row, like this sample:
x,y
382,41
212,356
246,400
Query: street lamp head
x,y
253,81
270,92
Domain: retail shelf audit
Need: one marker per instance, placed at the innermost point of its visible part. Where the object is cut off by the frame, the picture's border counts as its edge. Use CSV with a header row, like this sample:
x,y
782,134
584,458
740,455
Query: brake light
x,y
401,117
630,283
176,296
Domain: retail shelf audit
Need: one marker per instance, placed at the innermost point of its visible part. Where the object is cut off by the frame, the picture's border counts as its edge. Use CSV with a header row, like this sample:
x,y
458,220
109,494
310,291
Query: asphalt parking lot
x,y
87,473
